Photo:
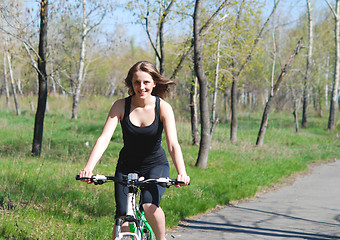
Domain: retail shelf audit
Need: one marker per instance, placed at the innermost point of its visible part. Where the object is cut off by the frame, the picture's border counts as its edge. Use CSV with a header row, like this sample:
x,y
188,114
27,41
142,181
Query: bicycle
x,y
139,227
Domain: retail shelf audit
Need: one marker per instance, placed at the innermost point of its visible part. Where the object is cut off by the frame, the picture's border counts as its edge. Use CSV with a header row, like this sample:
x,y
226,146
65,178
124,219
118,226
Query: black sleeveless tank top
x,y
142,145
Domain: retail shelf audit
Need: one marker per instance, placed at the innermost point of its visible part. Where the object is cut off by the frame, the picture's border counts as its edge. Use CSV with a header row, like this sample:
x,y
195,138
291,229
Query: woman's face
x,y
142,84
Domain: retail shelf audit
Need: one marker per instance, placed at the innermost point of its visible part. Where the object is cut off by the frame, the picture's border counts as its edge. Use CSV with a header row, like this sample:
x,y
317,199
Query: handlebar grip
x,y
81,178
178,182
175,182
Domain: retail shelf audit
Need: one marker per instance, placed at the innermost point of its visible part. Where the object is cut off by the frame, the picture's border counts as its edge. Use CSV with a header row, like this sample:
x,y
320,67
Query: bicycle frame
x,y
147,226
134,216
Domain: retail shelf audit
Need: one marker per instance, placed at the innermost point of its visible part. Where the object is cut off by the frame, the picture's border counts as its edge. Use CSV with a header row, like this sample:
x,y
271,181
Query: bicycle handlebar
x,y
101,179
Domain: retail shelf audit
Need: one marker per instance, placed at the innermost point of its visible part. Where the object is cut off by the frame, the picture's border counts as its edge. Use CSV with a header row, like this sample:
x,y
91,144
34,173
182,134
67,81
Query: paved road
x,y
307,209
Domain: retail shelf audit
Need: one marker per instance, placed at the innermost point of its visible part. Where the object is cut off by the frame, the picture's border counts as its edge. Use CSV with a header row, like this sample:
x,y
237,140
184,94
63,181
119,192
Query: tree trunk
x,y
214,119
274,63
42,76
80,76
320,101
295,114
308,67
266,112
19,86
6,83
159,55
194,112
205,142
17,108
226,105
295,106
161,37
334,94
161,49
234,121
54,87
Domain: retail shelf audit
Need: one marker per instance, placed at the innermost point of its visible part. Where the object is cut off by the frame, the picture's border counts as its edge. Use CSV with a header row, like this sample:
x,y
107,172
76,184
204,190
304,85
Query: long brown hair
x,y
163,84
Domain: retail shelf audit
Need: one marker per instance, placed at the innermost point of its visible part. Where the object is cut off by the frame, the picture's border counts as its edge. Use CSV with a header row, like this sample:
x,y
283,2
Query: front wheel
x,y
146,234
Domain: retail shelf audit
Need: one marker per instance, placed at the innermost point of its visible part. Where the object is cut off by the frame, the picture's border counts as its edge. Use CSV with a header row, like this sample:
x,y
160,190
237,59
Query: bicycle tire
x,y
146,234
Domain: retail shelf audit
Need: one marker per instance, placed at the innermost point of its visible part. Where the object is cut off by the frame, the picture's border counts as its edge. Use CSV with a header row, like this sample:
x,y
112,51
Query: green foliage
x,y
111,51
39,197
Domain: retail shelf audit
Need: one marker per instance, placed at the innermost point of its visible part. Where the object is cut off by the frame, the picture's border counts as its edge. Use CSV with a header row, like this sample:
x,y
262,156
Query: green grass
x,y
39,198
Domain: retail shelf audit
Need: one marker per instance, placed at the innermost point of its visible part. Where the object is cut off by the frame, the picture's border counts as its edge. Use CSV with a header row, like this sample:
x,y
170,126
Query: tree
x,y
86,29
266,112
15,96
187,50
295,108
152,16
308,66
234,122
203,83
335,88
194,111
236,73
9,14
323,59
164,11
42,76
6,83
18,32
214,119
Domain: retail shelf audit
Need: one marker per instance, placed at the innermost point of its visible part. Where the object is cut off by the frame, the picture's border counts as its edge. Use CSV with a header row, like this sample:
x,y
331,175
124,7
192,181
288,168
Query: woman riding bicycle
x,y
142,115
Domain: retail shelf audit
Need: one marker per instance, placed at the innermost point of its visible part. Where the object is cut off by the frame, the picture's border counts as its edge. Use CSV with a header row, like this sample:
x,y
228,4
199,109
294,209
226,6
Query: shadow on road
x,y
271,232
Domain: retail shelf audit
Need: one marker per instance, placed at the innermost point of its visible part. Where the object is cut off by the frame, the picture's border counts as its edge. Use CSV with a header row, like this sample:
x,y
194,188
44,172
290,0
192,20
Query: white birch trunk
x,y
6,83
308,67
80,76
274,63
214,104
17,108
334,94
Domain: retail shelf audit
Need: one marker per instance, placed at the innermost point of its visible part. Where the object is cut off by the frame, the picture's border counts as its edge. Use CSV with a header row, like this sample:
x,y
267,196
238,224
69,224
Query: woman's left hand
x,y
183,178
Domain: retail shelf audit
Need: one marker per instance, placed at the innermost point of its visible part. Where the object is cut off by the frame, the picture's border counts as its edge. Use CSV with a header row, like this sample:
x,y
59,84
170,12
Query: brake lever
x,y
99,182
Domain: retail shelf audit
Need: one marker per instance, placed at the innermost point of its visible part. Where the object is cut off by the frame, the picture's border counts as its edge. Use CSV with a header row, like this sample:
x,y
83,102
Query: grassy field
x,y
40,199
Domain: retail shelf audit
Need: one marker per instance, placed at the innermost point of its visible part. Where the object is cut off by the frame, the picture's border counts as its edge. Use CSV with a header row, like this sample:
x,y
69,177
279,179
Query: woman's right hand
x,y
86,174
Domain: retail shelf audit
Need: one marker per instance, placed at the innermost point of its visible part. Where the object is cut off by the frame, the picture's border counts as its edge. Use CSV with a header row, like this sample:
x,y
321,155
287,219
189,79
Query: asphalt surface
x,y
307,209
